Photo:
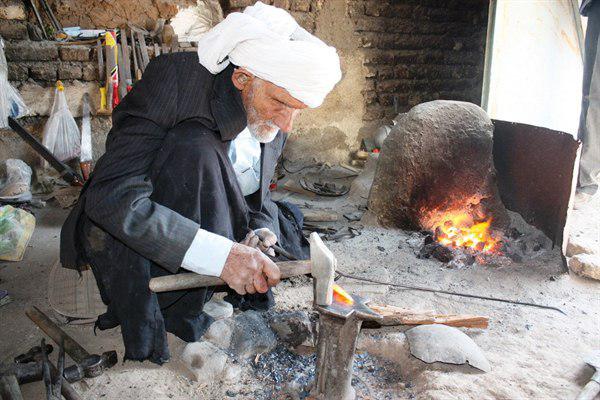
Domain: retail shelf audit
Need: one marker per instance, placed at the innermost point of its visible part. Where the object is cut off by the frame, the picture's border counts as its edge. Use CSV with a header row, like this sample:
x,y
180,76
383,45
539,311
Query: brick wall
x,y
419,50
400,52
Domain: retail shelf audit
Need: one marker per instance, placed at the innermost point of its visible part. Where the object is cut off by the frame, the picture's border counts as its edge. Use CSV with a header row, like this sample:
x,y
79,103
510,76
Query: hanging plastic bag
x,y
61,134
11,103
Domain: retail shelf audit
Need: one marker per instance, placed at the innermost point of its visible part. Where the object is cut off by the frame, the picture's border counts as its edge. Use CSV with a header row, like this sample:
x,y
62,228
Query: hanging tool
x,y
143,50
112,70
38,17
87,365
55,24
85,160
101,77
136,60
64,170
125,55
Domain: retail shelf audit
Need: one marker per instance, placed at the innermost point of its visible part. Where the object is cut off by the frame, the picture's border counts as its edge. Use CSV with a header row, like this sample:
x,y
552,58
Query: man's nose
x,y
287,121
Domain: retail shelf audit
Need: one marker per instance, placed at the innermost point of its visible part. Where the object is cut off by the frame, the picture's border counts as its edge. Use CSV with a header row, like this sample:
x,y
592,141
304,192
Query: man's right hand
x,y
248,270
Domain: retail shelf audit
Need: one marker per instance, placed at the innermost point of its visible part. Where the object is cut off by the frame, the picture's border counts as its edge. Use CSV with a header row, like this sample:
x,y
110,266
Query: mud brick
x,y
14,30
69,70
75,53
12,9
43,71
17,72
89,71
31,51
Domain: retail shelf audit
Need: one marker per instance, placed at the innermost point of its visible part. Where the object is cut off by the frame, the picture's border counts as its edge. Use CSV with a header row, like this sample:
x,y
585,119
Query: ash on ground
x,y
287,375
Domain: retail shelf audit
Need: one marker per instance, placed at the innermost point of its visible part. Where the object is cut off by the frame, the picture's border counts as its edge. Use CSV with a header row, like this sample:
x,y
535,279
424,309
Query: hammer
x,y
86,365
319,254
592,388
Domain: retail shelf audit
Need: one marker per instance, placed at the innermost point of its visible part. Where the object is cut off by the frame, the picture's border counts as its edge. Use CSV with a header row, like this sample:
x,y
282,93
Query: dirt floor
x,y
534,353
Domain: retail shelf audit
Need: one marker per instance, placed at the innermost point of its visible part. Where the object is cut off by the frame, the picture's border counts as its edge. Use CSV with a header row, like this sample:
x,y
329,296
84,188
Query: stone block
x,y
219,333
89,71
12,9
251,335
44,71
300,5
587,265
208,363
218,309
14,30
17,72
75,53
285,4
31,51
294,328
436,160
69,70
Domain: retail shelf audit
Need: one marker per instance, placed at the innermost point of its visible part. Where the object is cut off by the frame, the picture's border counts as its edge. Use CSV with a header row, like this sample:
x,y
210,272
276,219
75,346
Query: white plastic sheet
x,y
61,134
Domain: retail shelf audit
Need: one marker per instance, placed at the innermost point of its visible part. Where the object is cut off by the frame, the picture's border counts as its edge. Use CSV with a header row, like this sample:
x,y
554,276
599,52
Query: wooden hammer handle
x,y
173,282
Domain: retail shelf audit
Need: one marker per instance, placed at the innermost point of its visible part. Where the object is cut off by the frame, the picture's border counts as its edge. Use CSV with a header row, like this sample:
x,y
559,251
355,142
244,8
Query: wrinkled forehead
x,y
280,94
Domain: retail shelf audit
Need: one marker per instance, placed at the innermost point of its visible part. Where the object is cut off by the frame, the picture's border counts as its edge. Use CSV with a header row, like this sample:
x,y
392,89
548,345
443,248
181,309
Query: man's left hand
x,y
262,239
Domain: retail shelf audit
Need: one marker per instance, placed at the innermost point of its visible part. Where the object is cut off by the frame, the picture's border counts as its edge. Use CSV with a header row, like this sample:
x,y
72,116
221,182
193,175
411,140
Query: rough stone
x,y
17,72
14,30
89,71
285,4
12,9
587,265
582,245
218,309
69,70
75,53
293,328
43,71
437,159
31,51
208,363
301,5
251,335
219,333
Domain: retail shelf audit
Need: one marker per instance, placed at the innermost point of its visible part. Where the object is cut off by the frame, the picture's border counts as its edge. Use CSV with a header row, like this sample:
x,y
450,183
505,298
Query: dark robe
x,y
164,175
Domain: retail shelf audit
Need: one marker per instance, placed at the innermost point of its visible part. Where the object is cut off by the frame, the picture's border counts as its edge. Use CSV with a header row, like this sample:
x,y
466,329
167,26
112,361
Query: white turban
x,y
270,44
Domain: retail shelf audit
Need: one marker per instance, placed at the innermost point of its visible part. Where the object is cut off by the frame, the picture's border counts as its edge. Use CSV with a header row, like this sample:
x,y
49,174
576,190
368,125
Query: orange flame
x,y
341,296
460,230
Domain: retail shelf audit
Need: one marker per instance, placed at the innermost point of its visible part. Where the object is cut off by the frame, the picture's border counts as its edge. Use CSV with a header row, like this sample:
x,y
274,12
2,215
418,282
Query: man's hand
x,y
262,238
247,270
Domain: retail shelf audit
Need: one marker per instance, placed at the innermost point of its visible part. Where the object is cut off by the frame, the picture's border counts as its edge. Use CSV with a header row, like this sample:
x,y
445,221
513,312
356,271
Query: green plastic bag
x,y
16,228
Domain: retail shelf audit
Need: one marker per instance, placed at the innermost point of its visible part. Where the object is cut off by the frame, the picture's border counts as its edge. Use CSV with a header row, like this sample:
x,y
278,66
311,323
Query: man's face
x,y
269,108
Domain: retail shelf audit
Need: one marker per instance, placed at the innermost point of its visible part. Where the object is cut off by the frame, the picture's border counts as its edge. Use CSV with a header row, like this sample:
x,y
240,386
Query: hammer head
x,y
323,269
91,367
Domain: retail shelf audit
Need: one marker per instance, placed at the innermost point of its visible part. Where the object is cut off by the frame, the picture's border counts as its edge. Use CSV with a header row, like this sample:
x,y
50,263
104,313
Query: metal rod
x,y
72,348
473,296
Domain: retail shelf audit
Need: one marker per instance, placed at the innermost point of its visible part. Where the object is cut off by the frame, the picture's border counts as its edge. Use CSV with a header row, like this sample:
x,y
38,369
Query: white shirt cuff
x,y
207,253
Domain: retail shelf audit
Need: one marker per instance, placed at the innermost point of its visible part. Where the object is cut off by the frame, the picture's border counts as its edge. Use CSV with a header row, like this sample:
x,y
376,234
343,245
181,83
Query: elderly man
x,y
186,173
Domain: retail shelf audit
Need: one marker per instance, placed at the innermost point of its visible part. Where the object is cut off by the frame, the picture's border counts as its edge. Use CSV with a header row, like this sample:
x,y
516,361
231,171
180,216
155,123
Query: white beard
x,y
264,132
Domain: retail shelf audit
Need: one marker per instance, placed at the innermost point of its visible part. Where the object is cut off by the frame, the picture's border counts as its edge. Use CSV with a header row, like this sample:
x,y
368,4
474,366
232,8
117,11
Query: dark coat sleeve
x,y
118,195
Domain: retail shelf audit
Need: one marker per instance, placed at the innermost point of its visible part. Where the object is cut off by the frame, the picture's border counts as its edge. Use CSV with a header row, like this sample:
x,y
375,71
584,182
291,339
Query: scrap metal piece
x,y
441,343
323,270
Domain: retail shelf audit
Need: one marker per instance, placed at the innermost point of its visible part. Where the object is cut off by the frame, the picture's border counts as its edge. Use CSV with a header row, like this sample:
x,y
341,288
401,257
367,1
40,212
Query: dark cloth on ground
x,y
165,174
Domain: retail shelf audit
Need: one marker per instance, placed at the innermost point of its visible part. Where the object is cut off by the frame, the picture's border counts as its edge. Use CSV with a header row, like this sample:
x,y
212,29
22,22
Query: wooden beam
x,y
393,316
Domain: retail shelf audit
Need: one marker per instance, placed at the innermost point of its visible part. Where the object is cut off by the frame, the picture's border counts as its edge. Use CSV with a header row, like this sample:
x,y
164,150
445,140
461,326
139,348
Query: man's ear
x,y
241,78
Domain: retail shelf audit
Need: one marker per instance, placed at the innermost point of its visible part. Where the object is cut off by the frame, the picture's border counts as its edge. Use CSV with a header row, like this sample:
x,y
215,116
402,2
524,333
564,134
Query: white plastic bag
x,y
61,134
11,103
15,180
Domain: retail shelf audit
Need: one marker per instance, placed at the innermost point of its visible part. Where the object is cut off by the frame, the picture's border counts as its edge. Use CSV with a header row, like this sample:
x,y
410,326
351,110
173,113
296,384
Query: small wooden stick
x,y
393,315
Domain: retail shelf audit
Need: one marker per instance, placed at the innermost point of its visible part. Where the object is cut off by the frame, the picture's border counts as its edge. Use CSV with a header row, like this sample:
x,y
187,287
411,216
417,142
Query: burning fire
x,y
461,230
341,296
